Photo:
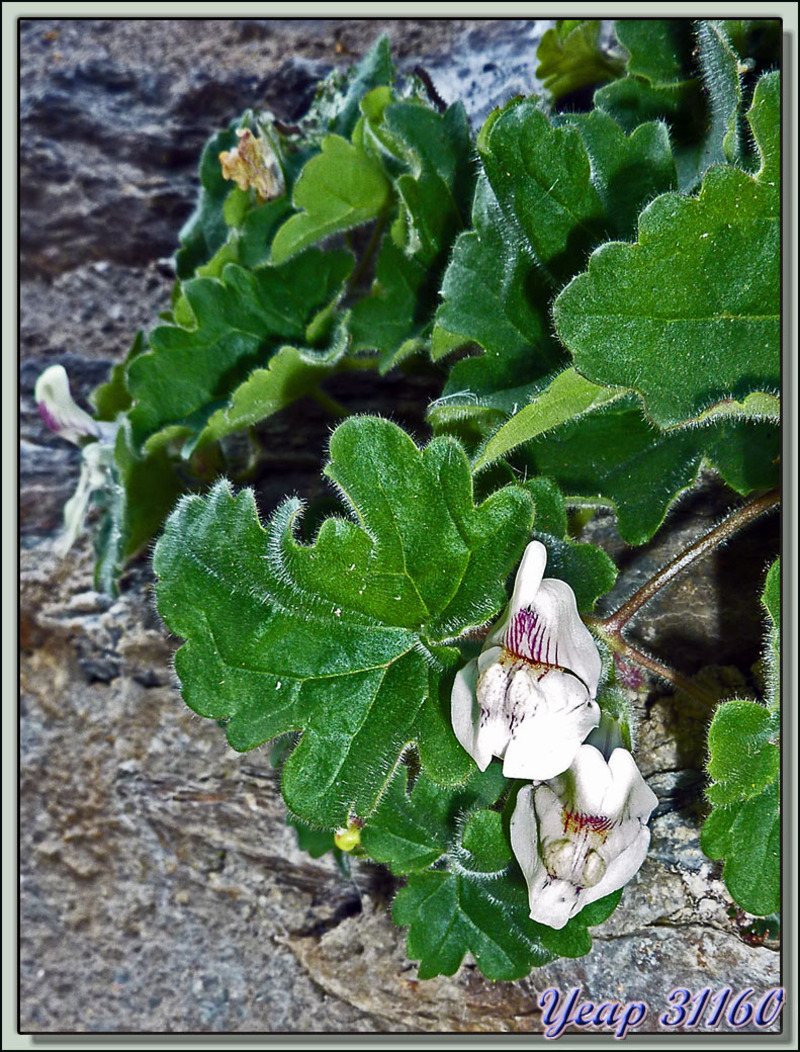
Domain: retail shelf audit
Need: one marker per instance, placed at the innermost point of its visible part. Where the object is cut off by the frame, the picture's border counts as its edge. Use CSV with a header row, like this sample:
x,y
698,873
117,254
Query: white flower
x,y
582,835
529,695
60,412
62,415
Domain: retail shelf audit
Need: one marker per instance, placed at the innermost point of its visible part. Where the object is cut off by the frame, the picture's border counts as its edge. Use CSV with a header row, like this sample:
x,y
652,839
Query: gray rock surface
x,y
160,888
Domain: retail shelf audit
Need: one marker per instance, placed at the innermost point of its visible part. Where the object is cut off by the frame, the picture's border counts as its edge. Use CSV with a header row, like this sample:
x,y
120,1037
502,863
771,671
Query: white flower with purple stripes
x,y
96,438
529,695
583,834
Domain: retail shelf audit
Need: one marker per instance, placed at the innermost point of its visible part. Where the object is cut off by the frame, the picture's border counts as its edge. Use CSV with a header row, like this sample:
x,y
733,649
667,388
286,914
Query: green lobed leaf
x,y
409,832
434,188
615,455
342,639
628,170
478,901
541,176
658,49
772,650
113,397
744,757
239,320
571,56
661,85
492,295
292,373
721,73
566,398
744,765
338,189
699,289
748,837
140,492
392,318
744,826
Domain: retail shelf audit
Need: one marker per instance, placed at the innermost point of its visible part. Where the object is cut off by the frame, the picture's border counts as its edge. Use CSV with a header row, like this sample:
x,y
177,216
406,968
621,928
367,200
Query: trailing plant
x,y
599,291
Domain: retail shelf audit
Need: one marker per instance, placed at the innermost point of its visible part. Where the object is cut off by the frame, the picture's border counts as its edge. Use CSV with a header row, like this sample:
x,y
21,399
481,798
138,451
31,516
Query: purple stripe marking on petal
x,y
52,422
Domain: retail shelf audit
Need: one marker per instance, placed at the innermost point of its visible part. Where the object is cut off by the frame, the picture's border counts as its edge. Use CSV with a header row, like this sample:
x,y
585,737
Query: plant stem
x,y
336,409
610,628
718,535
366,261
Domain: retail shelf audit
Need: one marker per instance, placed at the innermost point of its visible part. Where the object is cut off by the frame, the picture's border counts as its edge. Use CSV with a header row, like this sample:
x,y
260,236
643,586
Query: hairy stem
x,y
713,539
611,628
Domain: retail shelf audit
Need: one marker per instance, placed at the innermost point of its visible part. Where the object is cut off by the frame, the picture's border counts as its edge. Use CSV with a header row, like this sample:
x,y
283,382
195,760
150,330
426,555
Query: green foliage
x,y
744,765
339,189
744,826
567,398
410,832
490,298
615,456
254,606
700,289
599,293
571,57
237,321
432,153
474,898
772,650
552,192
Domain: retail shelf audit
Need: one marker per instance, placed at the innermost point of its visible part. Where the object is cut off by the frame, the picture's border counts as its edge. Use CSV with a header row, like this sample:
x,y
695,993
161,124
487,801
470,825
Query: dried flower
x,y
253,163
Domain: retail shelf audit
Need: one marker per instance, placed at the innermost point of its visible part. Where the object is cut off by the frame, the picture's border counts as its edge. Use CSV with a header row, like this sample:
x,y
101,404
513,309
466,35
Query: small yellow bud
x,y
348,839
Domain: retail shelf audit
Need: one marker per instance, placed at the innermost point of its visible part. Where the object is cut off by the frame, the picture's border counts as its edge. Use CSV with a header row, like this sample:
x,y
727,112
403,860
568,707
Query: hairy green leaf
x,y
541,176
722,76
292,373
493,295
392,319
700,289
409,832
238,321
614,455
344,639
568,397
627,170
434,194
744,757
659,50
772,650
113,397
478,903
744,826
571,57
744,765
338,189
